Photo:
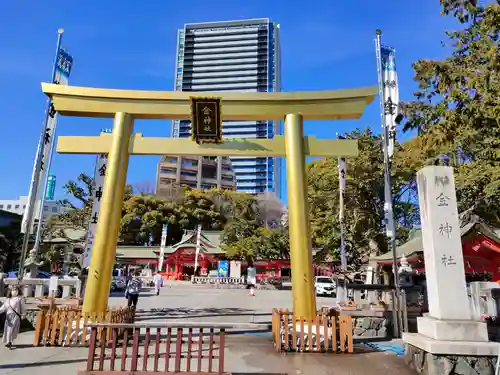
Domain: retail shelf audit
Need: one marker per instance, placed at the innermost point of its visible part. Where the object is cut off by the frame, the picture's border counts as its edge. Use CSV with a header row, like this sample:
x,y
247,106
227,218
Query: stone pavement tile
x,y
27,360
254,355
244,355
209,304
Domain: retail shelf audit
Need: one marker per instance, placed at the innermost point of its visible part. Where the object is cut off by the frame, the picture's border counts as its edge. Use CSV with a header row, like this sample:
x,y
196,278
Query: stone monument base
x,y
437,357
452,330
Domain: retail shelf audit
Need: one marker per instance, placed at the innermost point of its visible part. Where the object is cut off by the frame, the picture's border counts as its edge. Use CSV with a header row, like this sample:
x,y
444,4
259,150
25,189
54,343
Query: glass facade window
x,y
189,173
189,163
164,170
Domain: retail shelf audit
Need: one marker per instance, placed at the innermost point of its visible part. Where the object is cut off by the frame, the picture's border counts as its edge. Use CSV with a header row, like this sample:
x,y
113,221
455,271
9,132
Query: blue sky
x,y
131,44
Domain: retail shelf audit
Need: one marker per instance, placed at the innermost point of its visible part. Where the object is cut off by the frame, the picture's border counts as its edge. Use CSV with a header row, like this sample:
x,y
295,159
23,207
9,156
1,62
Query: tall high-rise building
x,y
239,56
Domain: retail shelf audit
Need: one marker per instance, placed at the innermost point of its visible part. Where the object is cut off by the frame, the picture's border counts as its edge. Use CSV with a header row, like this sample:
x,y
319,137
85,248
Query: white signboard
x,y
251,276
99,174
53,284
164,234
235,268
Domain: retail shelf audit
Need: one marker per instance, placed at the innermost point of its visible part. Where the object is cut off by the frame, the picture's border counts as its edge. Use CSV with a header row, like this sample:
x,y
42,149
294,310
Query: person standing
x,y
132,291
158,282
14,309
251,278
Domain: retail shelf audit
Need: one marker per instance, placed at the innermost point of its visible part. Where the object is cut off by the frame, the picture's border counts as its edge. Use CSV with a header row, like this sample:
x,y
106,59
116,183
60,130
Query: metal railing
x,y
218,280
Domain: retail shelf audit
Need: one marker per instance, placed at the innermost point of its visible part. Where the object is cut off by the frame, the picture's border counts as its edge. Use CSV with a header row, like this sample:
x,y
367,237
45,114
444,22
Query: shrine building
x,y
480,246
178,263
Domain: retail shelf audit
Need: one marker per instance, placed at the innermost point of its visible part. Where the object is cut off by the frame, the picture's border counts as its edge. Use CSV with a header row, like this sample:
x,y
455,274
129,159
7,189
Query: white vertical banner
x,y
62,70
164,233
99,174
342,185
198,245
391,96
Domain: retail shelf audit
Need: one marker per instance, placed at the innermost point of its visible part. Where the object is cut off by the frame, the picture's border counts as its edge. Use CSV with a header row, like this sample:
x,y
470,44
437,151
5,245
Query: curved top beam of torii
x,y
140,104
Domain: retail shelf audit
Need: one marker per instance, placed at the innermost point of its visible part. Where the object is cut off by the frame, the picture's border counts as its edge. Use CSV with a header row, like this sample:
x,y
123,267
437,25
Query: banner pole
x,y
388,208
27,222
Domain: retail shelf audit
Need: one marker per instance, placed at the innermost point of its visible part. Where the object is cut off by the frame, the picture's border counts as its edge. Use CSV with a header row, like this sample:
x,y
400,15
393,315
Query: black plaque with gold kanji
x,y
206,120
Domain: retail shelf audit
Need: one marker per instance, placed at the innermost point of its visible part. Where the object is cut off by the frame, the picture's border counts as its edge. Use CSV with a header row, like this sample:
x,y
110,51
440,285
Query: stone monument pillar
x,y
448,331
449,307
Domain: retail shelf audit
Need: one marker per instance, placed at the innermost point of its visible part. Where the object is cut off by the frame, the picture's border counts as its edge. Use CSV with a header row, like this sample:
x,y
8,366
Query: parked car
x,y
324,286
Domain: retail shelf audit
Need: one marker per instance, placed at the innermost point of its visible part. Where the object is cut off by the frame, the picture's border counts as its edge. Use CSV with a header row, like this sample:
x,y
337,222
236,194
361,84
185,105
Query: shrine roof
x,y
66,235
137,252
470,225
210,242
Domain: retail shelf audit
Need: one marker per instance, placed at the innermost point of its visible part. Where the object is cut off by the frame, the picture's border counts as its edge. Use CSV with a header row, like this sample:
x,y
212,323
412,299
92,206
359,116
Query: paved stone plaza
x,y
245,353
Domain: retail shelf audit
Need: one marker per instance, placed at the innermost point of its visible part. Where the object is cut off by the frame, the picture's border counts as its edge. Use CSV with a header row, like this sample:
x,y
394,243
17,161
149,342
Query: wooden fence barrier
x,y
328,332
169,348
68,325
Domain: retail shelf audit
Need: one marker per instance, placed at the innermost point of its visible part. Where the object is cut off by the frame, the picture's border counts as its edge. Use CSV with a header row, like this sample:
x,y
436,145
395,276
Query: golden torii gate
x,y
126,105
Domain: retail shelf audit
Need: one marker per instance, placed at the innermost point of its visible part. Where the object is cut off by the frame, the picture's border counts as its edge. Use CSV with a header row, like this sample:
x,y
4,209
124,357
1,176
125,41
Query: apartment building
x,y
199,172
17,206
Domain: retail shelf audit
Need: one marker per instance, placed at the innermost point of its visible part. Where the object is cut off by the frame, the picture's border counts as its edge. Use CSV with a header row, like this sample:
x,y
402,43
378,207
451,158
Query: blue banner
x,y
388,56
64,63
223,268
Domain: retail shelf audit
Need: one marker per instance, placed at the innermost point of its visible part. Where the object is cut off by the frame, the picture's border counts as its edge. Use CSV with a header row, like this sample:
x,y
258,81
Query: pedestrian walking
x,y
251,278
14,309
133,290
158,282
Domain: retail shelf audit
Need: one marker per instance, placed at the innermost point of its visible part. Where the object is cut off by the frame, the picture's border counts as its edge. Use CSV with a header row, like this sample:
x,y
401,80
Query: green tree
x,y
144,216
199,207
80,202
77,217
241,212
245,234
10,248
81,191
261,243
5,248
275,243
457,107
363,201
